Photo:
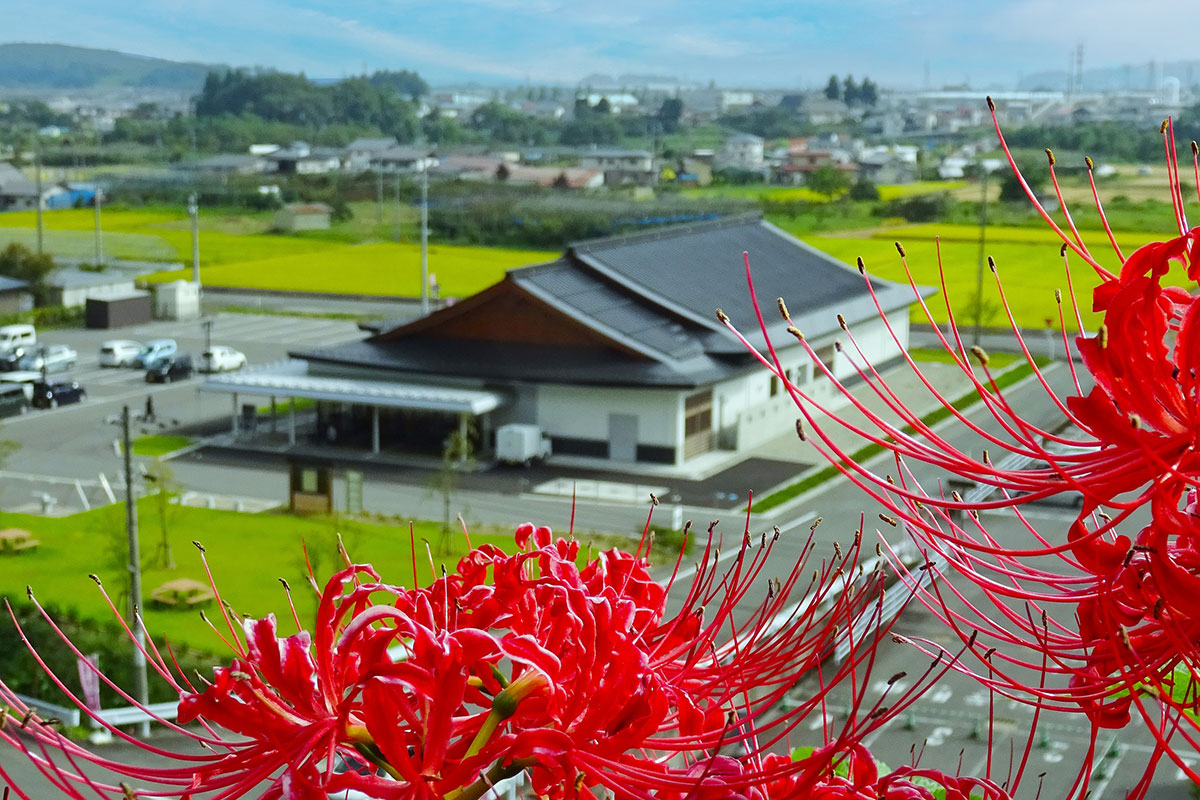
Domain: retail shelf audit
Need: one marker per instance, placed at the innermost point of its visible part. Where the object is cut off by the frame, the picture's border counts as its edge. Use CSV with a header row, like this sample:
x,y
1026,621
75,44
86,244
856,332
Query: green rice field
x,y
1028,265
383,268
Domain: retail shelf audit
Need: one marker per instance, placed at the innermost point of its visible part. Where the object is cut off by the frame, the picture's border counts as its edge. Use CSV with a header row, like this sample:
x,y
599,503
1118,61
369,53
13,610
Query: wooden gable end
x,y
507,313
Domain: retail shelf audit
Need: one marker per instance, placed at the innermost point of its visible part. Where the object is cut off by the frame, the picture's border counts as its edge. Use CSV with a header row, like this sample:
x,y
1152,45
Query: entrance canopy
x,y
291,379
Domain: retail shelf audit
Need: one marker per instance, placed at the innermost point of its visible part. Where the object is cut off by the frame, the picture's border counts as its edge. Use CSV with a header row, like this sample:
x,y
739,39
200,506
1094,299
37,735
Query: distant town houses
x,y
19,192
742,151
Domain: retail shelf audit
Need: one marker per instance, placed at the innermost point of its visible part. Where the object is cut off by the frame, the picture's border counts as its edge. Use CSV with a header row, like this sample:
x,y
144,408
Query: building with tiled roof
x,y
614,350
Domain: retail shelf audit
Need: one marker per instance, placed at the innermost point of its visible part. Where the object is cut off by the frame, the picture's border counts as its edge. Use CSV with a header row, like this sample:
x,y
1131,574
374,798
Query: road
x,y
74,443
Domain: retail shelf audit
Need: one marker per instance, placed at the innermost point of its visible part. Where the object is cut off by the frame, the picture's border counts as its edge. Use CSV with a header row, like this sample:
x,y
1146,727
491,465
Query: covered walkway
x,y
291,380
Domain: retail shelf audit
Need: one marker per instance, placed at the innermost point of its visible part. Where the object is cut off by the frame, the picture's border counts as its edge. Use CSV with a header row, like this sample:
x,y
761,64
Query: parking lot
x,y
76,442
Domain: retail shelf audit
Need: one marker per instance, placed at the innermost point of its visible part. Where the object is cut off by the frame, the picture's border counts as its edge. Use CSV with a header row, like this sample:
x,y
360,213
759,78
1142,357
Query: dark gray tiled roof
x,y
507,361
695,269
653,294
692,270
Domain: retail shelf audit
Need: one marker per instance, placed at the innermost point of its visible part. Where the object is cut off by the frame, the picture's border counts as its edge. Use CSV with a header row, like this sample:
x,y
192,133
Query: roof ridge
x,y
666,231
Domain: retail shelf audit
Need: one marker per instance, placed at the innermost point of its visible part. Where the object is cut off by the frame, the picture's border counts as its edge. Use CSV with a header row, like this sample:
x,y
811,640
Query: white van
x,y
14,336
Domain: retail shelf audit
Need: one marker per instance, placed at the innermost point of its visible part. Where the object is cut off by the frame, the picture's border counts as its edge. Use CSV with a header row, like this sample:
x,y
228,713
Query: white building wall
x,y
744,410
78,295
744,407
582,412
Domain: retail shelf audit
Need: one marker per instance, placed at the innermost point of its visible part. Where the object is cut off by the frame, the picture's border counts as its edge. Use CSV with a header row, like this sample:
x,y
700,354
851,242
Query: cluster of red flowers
x,y
579,677
529,662
1126,442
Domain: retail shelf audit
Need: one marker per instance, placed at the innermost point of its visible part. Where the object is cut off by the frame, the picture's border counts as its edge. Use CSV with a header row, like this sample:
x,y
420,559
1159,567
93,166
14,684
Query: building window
x,y
697,424
826,356
774,385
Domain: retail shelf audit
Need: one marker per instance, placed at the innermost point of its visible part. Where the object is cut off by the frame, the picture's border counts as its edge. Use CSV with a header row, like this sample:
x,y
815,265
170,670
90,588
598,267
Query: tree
x,y
561,182
458,455
669,114
19,262
828,180
1037,174
868,93
833,89
850,95
440,129
500,123
864,190
502,172
167,490
405,83
603,107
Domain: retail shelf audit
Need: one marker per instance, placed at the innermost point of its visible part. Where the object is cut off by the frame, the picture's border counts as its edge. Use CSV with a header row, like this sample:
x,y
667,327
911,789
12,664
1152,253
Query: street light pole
x,y
208,323
37,167
141,690
983,204
424,238
379,195
99,239
193,210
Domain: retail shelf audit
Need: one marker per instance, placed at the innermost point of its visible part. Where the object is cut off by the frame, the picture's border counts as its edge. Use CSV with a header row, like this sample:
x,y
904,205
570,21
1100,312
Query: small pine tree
x,y
833,89
850,94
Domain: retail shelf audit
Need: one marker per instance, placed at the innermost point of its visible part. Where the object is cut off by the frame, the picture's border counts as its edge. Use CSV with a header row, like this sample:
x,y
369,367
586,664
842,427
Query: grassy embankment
x,y
815,478
247,553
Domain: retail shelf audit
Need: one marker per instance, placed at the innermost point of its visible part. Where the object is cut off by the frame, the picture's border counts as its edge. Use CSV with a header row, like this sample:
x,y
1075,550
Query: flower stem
x,y
497,773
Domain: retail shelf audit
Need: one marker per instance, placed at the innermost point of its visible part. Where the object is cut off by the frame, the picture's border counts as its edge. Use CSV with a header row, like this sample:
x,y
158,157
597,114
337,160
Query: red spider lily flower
x,y
523,662
1118,620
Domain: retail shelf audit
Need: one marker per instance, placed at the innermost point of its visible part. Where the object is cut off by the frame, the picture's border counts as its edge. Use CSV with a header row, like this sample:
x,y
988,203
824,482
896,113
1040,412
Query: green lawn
x,y
155,445
384,268
247,553
82,244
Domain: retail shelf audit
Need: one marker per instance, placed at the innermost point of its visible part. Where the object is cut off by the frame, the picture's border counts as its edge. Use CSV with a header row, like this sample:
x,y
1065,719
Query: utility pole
x,y
983,204
37,167
194,212
208,323
396,216
141,690
99,239
379,196
424,238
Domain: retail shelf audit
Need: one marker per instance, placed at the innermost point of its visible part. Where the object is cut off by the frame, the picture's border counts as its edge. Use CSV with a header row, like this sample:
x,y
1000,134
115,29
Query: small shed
x,y
177,300
310,488
303,217
14,296
74,287
116,312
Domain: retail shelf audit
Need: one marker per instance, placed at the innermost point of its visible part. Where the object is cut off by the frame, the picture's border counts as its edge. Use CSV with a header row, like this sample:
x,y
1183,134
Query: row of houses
x,y
19,192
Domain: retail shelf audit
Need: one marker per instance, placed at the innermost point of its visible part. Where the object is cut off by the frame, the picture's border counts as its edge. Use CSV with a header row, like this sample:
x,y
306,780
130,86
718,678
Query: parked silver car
x,y
119,353
51,358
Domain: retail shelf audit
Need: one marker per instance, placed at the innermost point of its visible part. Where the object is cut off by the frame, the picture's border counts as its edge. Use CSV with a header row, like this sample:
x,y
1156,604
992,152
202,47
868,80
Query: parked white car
x,y
222,359
51,358
119,353
18,335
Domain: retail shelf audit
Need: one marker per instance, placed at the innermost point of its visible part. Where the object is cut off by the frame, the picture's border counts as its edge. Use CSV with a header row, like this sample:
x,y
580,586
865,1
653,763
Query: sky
x,y
754,43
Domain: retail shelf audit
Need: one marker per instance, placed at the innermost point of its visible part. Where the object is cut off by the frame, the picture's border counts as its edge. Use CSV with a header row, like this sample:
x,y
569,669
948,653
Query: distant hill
x,y
58,66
